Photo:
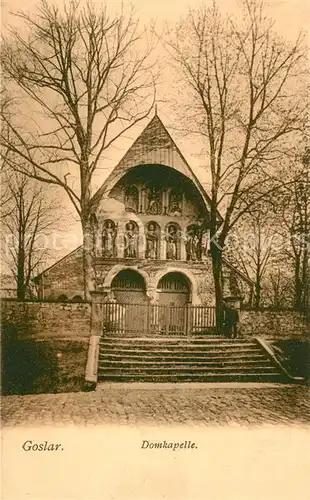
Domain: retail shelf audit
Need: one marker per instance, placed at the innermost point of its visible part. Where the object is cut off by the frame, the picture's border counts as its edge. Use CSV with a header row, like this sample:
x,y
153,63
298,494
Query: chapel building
x,y
152,239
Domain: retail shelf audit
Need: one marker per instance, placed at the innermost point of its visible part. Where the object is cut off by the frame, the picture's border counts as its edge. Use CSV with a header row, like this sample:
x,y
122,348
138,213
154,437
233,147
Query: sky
x,y
290,17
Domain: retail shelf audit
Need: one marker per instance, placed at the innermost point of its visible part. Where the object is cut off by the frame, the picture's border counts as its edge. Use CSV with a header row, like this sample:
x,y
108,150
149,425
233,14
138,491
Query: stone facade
x,y
150,233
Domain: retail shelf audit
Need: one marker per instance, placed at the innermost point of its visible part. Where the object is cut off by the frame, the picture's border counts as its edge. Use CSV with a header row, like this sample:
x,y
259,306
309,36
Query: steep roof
x,y
70,254
154,146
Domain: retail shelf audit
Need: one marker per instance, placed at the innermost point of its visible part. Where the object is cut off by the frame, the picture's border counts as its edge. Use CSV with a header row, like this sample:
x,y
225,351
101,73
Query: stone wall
x,y
34,366
47,319
273,324
44,346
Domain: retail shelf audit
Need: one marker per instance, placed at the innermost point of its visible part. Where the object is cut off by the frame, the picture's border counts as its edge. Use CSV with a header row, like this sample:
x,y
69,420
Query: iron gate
x,y
157,319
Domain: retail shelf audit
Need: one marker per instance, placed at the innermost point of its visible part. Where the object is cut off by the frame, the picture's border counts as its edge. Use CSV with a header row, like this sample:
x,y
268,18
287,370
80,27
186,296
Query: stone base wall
x,y
34,366
273,324
47,319
44,346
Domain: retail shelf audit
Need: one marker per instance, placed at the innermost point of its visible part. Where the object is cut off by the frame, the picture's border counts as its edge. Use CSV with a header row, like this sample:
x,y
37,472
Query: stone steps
x,y
106,364
167,358
191,377
184,359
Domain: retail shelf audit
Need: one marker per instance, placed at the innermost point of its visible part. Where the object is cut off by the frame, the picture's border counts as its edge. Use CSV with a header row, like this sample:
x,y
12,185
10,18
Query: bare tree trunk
x,y
298,285
21,292
216,254
305,279
88,269
257,295
258,284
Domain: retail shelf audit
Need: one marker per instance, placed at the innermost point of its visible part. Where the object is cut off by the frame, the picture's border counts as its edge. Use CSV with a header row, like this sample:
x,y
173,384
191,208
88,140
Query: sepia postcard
x,y
155,239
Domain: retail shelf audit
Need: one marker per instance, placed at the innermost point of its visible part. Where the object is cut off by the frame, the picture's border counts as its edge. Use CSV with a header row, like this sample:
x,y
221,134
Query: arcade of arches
x,y
153,242
129,287
164,218
130,309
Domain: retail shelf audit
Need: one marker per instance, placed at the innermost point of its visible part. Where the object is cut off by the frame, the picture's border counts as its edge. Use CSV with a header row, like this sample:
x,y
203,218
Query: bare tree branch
x,y
89,77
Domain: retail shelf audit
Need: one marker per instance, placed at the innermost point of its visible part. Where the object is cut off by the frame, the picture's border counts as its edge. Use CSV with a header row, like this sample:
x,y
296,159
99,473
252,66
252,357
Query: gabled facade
x,y
150,233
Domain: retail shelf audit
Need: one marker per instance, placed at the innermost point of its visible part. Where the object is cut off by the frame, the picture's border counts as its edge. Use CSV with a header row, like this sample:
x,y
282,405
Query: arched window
x,y
108,239
131,199
152,237
173,241
77,298
131,238
62,298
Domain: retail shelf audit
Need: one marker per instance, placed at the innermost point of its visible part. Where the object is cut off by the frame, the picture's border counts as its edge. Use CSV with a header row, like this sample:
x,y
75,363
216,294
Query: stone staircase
x,y
176,359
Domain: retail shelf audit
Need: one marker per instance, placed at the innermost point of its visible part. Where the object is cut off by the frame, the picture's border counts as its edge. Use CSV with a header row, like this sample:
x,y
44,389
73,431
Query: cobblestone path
x,y
162,404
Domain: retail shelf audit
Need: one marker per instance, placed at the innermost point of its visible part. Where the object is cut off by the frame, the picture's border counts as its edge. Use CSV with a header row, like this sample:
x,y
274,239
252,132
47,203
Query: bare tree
x,y
254,247
279,288
31,218
87,76
294,208
5,195
244,92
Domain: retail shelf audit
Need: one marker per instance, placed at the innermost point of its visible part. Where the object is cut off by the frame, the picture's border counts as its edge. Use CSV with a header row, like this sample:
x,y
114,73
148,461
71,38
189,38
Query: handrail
x,y
272,355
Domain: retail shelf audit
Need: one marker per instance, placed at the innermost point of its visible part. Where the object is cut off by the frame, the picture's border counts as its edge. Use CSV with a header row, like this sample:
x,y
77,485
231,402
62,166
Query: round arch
x,y
115,270
176,278
112,181
194,298
128,278
129,287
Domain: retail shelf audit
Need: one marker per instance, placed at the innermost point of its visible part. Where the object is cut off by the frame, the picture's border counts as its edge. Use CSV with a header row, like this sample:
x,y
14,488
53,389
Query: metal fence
x,y
158,319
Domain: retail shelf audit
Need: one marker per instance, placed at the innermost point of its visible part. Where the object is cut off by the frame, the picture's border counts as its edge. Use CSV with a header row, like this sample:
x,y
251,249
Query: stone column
x,y
95,333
